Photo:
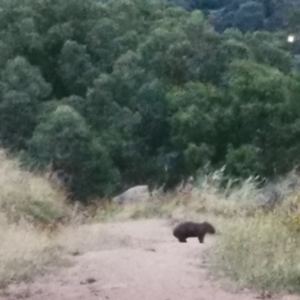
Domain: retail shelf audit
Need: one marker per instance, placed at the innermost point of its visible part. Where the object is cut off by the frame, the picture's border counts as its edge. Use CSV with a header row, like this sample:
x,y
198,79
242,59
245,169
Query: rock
x,y
135,194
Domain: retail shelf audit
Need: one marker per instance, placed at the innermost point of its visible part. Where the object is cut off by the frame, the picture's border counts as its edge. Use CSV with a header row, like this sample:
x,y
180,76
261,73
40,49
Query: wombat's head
x,y
209,228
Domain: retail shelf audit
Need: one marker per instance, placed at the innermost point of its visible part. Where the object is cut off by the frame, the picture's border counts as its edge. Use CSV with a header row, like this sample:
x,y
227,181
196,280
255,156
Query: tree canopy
x,y
117,93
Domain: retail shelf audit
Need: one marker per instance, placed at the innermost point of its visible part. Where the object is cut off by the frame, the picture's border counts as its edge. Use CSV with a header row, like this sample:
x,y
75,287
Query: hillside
x,y
51,249
99,96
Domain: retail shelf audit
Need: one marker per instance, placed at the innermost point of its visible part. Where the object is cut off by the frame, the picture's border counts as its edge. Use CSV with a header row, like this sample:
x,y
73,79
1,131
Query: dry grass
x,y
206,199
259,252
24,252
23,194
25,201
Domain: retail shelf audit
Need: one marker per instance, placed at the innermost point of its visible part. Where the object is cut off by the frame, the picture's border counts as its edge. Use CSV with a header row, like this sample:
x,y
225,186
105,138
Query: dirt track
x,y
138,260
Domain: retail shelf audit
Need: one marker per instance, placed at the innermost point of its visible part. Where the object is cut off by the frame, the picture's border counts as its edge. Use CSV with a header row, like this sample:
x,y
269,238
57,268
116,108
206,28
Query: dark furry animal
x,y
191,229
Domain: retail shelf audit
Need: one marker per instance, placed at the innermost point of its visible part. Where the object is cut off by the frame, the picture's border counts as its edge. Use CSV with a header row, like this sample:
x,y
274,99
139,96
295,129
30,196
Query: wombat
x,y
191,229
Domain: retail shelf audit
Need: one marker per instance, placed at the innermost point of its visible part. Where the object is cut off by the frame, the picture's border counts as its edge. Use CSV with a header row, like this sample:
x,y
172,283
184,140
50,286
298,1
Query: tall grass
x,y
259,252
25,201
24,252
26,195
207,197
261,248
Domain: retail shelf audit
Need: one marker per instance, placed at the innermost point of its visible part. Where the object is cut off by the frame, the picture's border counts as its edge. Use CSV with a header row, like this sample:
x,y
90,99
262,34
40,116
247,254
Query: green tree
x,y
22,88
197,156
265,107
249,16
190,114
17,119
20,76
75,68
65,140
243,162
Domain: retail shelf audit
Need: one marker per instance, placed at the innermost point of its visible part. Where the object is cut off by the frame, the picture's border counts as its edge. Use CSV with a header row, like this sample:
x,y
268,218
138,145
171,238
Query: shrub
x,y
65,140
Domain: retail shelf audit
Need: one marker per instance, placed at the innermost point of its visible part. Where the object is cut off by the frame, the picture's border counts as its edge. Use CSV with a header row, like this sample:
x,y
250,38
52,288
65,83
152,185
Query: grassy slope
x,y
28,203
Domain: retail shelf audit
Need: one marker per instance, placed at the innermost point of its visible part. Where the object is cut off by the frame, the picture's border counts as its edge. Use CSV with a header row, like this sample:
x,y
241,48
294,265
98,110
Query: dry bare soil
x,y
135,260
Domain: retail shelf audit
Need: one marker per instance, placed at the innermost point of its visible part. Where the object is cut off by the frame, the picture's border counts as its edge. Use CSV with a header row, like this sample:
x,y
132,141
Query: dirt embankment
x,y
136,260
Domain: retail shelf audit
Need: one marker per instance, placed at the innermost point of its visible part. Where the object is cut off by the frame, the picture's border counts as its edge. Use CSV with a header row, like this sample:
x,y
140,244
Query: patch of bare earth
x,y
136,260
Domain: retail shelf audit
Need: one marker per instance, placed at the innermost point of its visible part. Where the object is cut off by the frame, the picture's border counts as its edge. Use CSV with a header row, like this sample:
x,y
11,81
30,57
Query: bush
x,y
243,162
64,139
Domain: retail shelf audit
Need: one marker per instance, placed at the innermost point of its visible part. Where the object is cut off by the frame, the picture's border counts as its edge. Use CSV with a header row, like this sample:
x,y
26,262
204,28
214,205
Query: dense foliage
x,y
246,15
125,92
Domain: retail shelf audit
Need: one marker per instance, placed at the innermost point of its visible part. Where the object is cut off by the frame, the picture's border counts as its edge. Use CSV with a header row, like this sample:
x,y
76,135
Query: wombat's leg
x,y
182,240
201,238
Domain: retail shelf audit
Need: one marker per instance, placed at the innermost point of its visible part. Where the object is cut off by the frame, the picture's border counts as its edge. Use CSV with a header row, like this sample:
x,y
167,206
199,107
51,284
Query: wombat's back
x,y
186,229
193,229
